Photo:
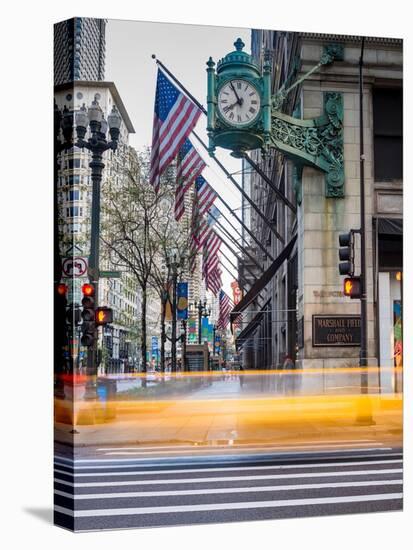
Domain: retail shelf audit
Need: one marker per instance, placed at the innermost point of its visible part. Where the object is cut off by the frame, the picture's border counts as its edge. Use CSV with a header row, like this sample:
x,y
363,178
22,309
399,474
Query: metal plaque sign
x,y
336,330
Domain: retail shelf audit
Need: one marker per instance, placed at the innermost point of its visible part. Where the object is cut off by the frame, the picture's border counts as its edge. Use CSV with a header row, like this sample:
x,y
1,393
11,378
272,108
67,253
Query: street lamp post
x,y
214,329
203,311
183,344
97,143
173,265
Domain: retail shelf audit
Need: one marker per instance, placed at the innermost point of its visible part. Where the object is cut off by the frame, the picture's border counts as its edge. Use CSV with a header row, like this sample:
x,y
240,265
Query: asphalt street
x,y
104,488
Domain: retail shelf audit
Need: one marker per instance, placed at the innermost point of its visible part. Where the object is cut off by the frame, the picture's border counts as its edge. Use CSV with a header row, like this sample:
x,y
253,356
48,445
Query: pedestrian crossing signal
x,y
103,315
352,287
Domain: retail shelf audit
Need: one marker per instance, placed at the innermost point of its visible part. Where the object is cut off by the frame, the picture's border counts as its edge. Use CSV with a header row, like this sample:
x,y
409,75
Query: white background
x,y
26,271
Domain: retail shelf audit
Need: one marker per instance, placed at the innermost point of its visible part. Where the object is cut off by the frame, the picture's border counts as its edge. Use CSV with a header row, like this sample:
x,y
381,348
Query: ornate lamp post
x,y
183,343
173,265
214,329
97,143
203,311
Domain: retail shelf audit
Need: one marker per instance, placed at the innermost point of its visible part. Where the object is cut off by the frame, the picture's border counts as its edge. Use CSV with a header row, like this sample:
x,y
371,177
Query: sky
x,y
184,49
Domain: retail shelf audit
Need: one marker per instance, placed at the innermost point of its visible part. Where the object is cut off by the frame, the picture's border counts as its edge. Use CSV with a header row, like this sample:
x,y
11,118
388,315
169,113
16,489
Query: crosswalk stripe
x,y
204,447
227,451
225,506
112,461
206,469
121,462
226,479
218,491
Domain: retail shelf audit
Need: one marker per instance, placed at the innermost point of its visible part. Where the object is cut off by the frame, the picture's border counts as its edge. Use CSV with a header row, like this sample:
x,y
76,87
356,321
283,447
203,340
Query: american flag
x,y
211,271
206,195
214,282
194,244
189,166
210,254
174,118
225,306
201,229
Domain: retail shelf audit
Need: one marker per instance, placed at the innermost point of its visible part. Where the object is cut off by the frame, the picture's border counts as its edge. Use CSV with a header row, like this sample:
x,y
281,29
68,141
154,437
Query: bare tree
x,y
139,232
170,237
131,208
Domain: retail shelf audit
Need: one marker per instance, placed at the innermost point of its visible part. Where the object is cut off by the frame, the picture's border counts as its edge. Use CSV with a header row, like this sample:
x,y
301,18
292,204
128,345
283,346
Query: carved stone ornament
x,y
316,142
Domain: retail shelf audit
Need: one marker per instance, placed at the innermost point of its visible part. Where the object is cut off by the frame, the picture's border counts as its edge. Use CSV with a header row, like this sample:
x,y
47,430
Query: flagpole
x,y
261,214
187,92
268,222
230,262
236,243
253,237
232,275
238,258
231,211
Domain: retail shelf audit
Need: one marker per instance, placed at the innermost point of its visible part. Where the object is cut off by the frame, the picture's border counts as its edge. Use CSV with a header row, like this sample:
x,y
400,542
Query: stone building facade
x,y
309,283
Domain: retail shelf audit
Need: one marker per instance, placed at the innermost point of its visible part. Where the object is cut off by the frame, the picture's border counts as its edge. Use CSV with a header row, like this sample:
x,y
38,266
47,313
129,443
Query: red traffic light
x,y
88,289
62,289
103,315
352,287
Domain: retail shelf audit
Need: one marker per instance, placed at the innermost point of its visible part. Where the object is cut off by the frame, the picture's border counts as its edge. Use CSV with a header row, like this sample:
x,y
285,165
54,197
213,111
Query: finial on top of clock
x,y
239,44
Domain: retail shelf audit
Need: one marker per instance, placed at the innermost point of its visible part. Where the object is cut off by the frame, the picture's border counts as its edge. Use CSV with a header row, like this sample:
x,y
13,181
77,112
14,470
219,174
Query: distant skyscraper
x,y
79,50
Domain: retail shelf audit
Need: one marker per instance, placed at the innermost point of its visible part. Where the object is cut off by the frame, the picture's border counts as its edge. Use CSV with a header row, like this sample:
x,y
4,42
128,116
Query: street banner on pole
x,y
205,329
168,305
182,301
192,330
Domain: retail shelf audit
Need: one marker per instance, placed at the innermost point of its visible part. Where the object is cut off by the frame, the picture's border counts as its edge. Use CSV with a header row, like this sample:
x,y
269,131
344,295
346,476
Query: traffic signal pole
x,y
363,299
96,166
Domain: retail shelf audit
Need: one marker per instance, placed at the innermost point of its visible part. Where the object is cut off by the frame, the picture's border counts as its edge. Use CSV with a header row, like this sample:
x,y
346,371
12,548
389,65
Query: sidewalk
x,y
290,420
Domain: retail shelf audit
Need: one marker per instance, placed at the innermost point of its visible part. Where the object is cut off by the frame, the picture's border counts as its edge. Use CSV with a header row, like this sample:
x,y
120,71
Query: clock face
x,y
239,102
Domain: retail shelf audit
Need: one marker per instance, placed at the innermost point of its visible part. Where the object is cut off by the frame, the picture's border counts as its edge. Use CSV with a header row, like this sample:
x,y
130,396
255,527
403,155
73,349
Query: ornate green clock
x,y
242,116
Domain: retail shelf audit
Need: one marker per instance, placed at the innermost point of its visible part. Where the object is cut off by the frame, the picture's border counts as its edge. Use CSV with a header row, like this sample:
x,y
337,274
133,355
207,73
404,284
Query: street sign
x,y
110,274
74,267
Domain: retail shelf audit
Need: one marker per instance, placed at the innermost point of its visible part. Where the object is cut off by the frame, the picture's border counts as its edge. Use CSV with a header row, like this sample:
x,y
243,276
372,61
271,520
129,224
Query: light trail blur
x,y
235,411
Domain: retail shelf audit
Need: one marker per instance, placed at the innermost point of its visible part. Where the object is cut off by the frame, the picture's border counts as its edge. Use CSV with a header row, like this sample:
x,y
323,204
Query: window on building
x,y
73,195
388,130
73,180
74,163
72,211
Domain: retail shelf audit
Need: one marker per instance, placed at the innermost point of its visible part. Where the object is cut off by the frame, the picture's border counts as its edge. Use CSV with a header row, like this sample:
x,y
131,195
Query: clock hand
x,y
230,107
239,100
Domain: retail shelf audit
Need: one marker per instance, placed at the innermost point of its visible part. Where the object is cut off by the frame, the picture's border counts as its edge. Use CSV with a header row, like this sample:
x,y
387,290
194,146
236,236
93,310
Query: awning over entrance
x,y
389,226
249,330
263,280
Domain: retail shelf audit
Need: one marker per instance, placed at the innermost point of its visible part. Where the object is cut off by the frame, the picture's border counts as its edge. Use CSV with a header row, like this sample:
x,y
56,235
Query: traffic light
x,y
103,315
73,315
88,315
346,253
352,287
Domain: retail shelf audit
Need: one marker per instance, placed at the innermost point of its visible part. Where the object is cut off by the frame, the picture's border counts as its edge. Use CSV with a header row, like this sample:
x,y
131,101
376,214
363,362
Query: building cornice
x,y
101,84
352,38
